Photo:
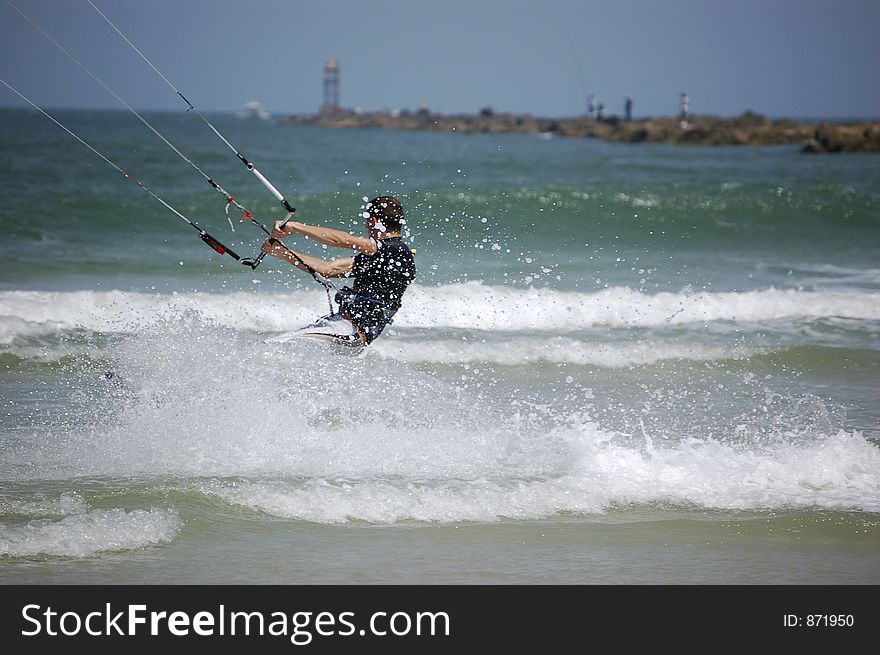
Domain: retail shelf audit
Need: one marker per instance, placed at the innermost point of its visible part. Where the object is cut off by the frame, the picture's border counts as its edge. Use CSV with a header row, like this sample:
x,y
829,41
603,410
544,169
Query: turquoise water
x,y
619,363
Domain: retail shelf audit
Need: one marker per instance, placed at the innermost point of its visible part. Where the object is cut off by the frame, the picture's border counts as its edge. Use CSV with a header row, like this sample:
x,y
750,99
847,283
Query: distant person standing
x,y
600,112
628,107
683,109
591,106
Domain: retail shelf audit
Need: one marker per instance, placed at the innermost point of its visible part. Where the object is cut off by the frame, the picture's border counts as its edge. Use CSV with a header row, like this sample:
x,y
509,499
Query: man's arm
x,y
326,235
333,268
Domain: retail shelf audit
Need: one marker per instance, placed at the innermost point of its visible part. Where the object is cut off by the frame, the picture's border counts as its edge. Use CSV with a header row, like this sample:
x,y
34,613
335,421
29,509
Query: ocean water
x,y
618,364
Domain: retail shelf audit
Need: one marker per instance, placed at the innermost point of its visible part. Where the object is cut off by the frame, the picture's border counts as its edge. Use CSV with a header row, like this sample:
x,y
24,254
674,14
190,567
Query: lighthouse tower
x,y
331,87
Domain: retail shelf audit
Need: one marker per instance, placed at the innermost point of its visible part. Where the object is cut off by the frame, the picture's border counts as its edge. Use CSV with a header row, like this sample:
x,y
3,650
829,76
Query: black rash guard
x,y
379,282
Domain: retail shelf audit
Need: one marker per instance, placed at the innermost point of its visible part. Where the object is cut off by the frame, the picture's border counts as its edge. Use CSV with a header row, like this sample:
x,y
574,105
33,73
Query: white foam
x,y
838,472
84,535
48,312
637,201
63,505
474,305
470,305
13,327
399,444
518,350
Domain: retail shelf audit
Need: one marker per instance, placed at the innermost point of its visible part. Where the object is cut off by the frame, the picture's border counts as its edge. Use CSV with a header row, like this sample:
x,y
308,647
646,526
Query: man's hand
x,y
271,246
281,230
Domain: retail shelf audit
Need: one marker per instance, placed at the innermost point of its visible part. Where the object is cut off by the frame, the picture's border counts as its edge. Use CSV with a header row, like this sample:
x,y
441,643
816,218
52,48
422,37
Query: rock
x,y
812,145
847,138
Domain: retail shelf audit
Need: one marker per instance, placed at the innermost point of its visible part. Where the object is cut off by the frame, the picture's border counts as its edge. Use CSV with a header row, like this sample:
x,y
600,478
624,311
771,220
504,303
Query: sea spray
x,y
190,397
296,432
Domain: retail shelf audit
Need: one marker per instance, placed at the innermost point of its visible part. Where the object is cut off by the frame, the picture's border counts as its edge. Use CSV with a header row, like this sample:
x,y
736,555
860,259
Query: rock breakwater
x,y
746,129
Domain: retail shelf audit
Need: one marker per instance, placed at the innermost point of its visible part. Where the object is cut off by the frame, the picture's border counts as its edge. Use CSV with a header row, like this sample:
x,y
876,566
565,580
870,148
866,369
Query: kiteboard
x,y
333,330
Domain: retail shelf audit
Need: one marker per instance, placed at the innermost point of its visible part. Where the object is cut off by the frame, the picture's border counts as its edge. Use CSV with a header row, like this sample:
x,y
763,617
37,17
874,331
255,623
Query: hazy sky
x,y
801,58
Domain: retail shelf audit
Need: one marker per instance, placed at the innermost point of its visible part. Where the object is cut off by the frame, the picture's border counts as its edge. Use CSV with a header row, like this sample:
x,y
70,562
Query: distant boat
x,y
253,109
